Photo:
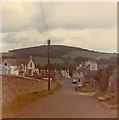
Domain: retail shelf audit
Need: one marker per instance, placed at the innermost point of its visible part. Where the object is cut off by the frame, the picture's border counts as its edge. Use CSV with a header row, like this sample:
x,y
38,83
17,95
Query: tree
x,y
103,76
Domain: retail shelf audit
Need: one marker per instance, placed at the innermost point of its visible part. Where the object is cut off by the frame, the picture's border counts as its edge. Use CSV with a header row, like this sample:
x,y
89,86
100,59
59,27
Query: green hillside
x,y
88,54
43,60
58,53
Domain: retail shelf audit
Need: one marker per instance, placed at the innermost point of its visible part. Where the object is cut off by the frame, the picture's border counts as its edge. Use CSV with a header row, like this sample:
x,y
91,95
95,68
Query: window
x,y
30,64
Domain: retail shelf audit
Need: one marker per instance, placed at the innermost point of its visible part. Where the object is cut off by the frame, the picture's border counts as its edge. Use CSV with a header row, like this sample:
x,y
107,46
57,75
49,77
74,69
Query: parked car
x,y
79,84
74,81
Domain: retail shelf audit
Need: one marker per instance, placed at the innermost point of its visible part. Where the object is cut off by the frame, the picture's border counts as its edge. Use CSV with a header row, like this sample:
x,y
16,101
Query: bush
x,y
103,77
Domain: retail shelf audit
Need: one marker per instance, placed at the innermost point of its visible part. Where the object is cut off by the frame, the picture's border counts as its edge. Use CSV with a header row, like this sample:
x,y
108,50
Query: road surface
x,y
67,103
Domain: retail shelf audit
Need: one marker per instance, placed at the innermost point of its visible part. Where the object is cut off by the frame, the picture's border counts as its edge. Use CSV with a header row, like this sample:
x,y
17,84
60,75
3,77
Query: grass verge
x,y
85,89
111,101
12,107
99,94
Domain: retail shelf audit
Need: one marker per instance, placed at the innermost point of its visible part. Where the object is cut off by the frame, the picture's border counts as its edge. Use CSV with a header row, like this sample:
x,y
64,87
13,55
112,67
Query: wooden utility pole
x,y
49,64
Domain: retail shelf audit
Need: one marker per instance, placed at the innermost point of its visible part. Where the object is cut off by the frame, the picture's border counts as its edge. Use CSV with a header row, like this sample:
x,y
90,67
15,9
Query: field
x,y
88,54
43,60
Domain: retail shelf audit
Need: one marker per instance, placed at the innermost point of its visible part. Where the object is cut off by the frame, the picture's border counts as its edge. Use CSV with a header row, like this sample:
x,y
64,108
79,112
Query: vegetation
x,y
12,107
100,93
103,77
102,82
87,87
88,54
111,101
60,51
56,50
43,60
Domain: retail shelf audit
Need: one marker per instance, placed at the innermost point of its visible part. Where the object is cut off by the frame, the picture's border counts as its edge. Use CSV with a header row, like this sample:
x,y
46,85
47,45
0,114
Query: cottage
x,y
13,70
92,65
3,70
30,67
88,68
65,73
21,66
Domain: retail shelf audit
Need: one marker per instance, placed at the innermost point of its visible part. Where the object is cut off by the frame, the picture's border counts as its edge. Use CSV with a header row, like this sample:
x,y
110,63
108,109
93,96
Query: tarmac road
x,y
67,103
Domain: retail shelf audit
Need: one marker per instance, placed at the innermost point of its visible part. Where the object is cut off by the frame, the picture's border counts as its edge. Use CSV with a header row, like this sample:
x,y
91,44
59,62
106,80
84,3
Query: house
x,y
102,63
3,70
100,66
65,73
30,67
92,65
23,66
13,65
13,70
88,68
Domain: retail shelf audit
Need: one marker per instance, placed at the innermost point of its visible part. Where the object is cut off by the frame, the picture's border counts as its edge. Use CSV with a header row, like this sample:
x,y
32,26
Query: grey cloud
x,y
101,40
56,40
82,25
10,38
47,16
13,38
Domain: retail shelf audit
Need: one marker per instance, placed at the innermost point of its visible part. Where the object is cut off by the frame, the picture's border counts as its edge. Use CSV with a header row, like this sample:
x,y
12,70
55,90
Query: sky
x,y
86,25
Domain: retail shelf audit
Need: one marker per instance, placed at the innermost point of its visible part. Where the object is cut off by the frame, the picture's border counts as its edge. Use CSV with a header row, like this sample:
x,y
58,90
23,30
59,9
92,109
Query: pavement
x,y
66,103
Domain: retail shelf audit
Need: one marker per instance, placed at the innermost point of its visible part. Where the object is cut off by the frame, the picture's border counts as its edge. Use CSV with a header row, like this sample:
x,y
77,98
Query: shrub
x,y
103,77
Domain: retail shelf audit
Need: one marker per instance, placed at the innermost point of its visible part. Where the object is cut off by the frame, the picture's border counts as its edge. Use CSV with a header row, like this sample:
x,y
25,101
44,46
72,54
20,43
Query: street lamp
x,y
48,42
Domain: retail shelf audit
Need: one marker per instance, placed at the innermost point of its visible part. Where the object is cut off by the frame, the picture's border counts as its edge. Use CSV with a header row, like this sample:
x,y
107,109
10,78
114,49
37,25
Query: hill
x,y
56,51
43,61
88,54
60,51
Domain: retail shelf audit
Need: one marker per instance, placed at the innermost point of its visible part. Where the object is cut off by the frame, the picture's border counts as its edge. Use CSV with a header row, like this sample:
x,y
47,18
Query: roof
x,y
16,62
102,67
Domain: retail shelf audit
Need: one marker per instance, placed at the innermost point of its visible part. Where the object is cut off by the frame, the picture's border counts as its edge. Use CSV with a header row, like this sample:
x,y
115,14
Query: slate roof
x,y
16,62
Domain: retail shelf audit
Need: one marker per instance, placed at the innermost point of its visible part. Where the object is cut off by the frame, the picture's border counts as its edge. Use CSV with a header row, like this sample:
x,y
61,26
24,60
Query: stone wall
x,y
15,86
0,97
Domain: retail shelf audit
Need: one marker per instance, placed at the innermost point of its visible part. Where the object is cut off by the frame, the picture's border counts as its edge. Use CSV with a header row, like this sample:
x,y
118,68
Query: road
x,y
67,103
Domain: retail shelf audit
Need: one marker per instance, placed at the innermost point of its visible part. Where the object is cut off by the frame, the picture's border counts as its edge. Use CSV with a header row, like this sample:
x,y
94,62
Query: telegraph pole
x,y
48,64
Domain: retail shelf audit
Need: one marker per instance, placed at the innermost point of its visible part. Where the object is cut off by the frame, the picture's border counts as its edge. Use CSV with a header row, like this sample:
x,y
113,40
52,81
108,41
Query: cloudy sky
x,y
86,25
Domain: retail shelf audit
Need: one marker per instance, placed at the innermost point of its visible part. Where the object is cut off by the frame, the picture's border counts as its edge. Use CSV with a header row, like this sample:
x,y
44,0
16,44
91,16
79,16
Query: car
x,y
74,81
79,84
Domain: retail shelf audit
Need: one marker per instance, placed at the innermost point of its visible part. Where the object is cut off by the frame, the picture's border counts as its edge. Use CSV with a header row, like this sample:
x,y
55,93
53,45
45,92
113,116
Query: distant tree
x,y
39,66
79,60
52,67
